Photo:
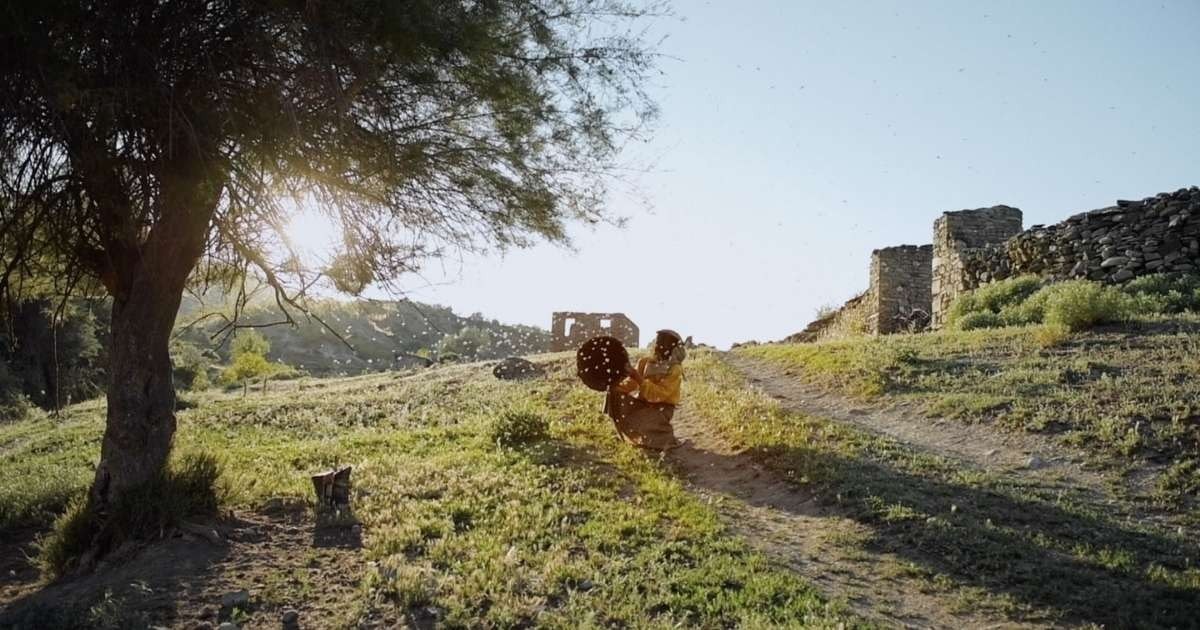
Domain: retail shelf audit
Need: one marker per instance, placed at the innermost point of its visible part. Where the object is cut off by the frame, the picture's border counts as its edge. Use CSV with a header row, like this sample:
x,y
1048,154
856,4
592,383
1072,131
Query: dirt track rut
x,y
787,523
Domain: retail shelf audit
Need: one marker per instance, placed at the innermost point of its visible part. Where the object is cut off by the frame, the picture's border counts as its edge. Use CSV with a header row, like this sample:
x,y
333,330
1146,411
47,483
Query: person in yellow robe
x,y
643,404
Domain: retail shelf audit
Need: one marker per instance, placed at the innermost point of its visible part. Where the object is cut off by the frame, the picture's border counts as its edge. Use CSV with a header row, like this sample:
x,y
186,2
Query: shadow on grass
x,y
1006,544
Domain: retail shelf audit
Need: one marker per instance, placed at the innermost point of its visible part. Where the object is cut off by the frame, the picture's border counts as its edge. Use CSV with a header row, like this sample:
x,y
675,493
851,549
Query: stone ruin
x,y
955,234
899,297
569,330
912,287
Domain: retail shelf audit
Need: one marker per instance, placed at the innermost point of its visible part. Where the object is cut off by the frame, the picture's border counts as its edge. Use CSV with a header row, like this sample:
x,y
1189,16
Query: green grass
x,y
489,503
1128,396
1028,549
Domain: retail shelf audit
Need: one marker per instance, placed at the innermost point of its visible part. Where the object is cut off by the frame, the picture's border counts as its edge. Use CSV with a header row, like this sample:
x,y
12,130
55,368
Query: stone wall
x,y
568,330
957,239
900,297
1133,238
973,247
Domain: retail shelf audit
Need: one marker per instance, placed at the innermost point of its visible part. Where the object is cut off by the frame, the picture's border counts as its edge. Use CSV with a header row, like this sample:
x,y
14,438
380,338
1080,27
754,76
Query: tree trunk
x,y
141,395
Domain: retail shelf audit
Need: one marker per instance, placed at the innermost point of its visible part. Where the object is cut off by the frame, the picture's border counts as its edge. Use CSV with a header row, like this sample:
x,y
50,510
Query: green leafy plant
x,y
517,427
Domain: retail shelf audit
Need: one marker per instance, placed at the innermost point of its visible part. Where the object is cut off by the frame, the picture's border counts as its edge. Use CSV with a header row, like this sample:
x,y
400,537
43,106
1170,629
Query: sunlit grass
x,y
1127,395
1024,548
484,503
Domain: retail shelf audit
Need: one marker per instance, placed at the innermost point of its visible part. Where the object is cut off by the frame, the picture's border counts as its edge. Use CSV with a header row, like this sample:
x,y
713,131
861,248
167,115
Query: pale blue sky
x,y
796,137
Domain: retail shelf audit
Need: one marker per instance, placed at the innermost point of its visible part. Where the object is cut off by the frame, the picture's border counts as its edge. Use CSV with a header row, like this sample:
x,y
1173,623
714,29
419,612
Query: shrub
x,y
1164,293
518,427
1079,304
187,489
994,298
979,319
13,404
1050,336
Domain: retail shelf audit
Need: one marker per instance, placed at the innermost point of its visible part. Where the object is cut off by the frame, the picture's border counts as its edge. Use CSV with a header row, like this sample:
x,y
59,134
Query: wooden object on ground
x,y
333,487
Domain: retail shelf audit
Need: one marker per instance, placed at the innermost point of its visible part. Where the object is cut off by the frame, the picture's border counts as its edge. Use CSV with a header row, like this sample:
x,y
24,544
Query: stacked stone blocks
x,y
900,293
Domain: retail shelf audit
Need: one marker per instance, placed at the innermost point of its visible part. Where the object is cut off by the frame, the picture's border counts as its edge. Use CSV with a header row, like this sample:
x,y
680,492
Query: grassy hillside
x,y
1127,395
482,503
1035,549
375,335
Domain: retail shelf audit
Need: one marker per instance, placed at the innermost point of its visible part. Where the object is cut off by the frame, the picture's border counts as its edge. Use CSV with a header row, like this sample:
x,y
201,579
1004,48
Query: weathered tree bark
x,y
146,282
141,395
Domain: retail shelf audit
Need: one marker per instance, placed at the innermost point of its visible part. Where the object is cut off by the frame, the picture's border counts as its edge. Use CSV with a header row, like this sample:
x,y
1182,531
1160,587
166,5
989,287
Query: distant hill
x,y
374,335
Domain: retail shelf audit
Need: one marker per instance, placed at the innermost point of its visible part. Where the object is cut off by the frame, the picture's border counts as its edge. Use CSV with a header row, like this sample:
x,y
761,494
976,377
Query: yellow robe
x,y
655,388
645,418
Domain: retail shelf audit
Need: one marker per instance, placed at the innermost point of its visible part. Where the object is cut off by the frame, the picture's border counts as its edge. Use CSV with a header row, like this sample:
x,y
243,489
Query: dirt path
x,y
787,524
826,548
1022,455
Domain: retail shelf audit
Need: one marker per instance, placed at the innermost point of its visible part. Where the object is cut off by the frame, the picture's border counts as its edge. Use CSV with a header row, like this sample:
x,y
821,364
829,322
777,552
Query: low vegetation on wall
x,y
836,322
1072,305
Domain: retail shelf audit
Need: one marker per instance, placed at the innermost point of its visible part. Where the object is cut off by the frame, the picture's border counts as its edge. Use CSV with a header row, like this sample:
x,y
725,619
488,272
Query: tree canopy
x,y
146,144
199,126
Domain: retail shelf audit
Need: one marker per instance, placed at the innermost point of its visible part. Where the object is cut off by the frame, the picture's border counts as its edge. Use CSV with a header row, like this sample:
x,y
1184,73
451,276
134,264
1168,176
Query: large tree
x,y
148,143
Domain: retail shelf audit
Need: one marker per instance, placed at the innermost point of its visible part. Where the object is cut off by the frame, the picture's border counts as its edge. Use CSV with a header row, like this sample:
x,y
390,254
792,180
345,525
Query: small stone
x,y
290,618
1034,462
1122,275
235,599
1115,261
207,612
203,625
228,625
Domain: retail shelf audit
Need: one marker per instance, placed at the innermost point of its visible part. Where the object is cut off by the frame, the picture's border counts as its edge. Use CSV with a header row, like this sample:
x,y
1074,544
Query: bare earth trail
x,y
789,526
783,520
978,447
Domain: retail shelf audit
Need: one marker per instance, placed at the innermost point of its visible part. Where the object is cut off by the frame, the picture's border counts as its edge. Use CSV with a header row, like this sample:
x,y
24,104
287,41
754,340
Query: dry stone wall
x,y
974,247
957,237
1133,238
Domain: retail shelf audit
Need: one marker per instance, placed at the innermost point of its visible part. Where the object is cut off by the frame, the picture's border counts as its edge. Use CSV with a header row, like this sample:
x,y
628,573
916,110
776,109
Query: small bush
x,y
992,298
187,489
979,319
514,428
1051,336
1080,304
1164,293
13,404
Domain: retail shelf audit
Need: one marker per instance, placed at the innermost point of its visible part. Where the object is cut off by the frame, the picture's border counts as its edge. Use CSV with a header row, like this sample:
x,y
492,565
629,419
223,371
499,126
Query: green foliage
x,y
53,357
518,427
250,361
13,404
585,528
251,342
190,366
992,298
1072,305
187,489
1164,293
469,343
381,335
1080,304
978,319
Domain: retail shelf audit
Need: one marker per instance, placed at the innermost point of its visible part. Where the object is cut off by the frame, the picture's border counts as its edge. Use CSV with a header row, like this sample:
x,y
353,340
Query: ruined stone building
x,y
912,287
569,330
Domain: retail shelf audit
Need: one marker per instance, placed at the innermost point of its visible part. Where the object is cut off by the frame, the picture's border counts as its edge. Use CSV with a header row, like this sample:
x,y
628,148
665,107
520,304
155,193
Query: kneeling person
x,y
643,404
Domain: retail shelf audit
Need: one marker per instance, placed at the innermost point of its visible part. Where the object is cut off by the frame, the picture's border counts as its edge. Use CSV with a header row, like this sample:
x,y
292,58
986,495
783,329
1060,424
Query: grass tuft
x,y
518,427
187,489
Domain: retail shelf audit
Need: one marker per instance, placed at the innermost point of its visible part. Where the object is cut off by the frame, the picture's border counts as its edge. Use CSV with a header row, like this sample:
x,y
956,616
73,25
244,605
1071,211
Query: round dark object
x,y
516,369
600,362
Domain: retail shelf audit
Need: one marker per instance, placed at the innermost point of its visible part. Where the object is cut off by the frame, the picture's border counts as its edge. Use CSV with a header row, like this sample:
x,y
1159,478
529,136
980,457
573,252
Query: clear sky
x,y
798,136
